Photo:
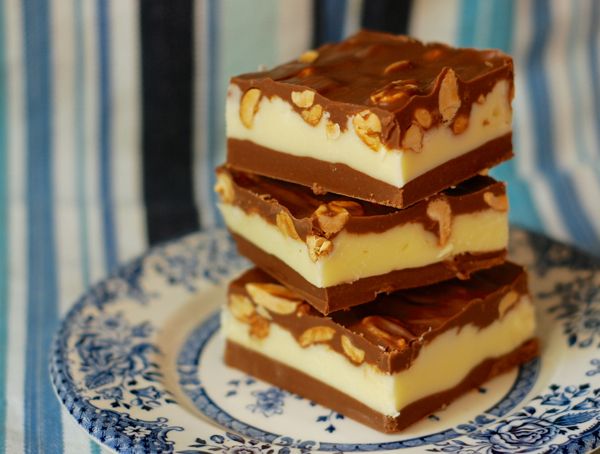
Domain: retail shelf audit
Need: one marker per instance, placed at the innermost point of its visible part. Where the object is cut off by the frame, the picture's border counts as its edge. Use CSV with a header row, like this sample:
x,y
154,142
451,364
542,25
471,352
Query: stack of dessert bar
x,y
356,181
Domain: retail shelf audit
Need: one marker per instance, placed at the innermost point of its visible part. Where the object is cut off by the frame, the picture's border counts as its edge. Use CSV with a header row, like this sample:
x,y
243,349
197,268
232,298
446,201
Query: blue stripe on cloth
x,y
569,205
213,105
593,50
80,154
43,429
80,142
468,21
3,233
106,182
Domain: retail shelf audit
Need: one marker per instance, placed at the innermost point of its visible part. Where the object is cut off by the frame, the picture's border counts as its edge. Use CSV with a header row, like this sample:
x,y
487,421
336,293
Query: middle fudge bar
x,y
390,362
377,117
337,252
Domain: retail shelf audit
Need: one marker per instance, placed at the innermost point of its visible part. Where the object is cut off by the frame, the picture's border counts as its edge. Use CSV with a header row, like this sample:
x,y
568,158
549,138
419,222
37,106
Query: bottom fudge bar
x,y
390,362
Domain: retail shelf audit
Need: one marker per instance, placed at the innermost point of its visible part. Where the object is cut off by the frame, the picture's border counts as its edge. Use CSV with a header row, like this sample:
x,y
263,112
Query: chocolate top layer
x,y
311,213
392,76
391,330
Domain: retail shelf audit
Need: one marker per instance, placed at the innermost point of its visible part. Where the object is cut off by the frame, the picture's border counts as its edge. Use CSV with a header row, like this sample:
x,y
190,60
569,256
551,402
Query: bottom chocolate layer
x,y
299,383
330,299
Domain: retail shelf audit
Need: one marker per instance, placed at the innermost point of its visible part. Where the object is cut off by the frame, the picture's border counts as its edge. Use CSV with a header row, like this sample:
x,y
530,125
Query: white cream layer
x,y
356,256
441,364
279,127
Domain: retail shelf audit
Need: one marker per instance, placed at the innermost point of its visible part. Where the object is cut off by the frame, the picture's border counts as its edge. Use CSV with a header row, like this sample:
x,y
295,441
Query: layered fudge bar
x,y
377,117
337,252
390,362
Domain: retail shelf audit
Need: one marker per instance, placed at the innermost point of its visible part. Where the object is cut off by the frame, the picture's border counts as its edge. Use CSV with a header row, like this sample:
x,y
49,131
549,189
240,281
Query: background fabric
x,y
111,122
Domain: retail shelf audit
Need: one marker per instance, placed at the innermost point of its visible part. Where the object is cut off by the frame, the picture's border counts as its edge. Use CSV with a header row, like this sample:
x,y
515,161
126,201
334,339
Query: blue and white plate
x,y
138,363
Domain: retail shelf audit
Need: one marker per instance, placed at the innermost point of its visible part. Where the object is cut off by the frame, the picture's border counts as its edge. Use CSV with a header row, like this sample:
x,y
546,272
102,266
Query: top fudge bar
x,y
377,117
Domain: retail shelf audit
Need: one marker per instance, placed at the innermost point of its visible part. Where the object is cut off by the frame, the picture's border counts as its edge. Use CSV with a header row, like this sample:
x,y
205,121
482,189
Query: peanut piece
x,y
259,327
313,115
439,210
241,307
448,100
303,98
332,217
496,202
507,301
368,128
249,106
413,138
397,66
309,56
286,225
423,117
318,247
355,354
315,335
274,297
224,187
460,124
332,130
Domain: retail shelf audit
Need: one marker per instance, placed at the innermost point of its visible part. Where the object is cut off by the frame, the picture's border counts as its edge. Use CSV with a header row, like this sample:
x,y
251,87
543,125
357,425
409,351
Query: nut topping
x,y
318,247
303,98
413,138
496,202
449,101
331,219
423,117
249,106
315,335
368,128
276,298
313,115
259,327
460,124
332,130
397,66
439,210
224,187
286,225
241,307
387,329
507,301
355,354
309,56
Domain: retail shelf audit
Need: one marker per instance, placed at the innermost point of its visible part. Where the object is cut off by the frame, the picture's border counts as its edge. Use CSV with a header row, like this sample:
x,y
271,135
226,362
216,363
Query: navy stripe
x,y
4,223
214,142
43,430
390,16
167,94
106,193
572,213
328,19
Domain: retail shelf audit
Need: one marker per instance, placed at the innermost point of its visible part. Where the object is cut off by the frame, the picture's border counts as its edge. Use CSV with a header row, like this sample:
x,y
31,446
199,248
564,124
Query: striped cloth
x,y
111,121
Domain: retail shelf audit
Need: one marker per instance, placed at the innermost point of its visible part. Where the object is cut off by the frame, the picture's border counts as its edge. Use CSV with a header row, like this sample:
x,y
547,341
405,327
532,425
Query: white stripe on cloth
x,y
125,118
432,20
17,229
541,192
353,17
69,258
293,31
